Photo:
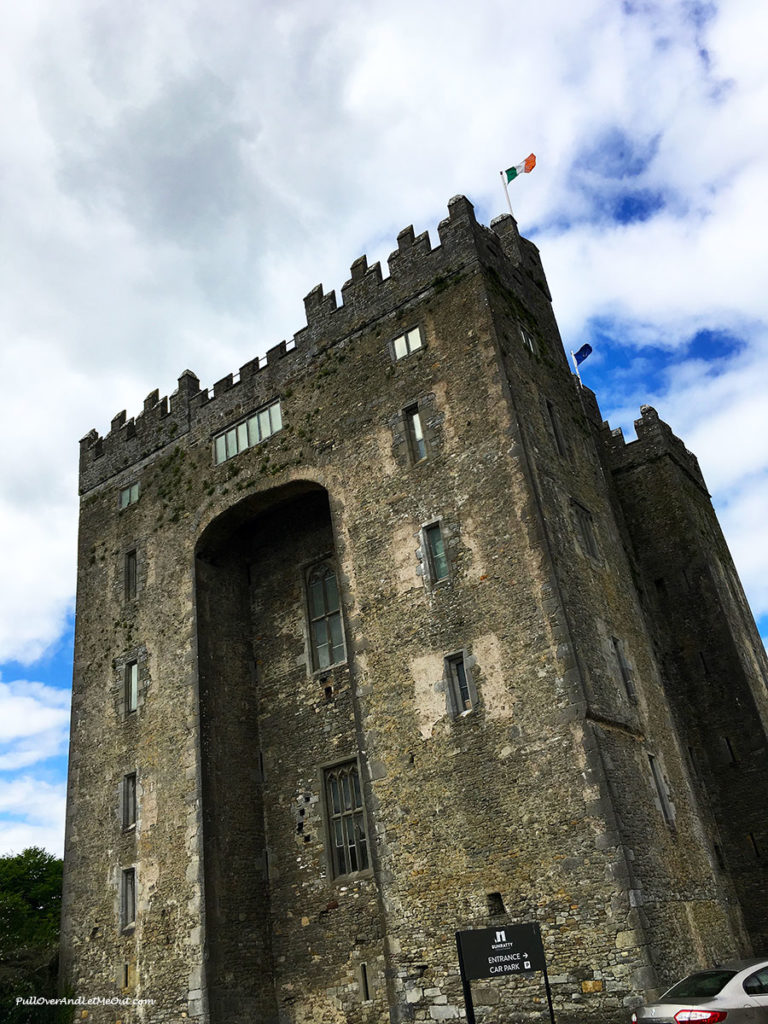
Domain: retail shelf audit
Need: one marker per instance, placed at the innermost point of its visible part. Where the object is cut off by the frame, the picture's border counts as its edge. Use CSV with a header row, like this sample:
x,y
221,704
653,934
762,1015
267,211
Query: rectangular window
x,y
586,528
128,898
625,670
131,686
130,575
129,495
249,432
326,632
460,688
346,820
416,443
556,432
438,561
129,800
661,789
407,343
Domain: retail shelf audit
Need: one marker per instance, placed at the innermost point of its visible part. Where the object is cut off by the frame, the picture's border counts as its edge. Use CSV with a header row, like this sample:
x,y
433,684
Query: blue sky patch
x,y
53,669
713,346
614,154
639,205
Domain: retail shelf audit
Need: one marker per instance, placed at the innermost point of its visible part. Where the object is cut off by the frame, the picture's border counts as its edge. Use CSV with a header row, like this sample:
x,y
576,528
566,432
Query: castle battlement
x,y
367,296
655,440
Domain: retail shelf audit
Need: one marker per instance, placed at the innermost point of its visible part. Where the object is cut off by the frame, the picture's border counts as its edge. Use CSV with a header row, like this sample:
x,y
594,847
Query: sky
x,y
176,177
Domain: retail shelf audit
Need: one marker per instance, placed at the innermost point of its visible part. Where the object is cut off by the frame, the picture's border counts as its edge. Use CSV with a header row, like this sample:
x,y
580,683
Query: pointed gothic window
x,y
327,635
346,819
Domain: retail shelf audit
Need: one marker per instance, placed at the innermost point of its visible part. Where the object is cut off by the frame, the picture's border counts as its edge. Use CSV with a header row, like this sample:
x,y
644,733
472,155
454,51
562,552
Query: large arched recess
x,y
249,569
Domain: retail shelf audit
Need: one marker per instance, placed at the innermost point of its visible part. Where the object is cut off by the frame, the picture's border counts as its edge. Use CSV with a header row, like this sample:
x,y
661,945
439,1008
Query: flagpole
x,y
576,367
506,192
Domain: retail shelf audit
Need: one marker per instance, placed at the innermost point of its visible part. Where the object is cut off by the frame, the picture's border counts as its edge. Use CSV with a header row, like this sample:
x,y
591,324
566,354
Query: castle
x,y
390,636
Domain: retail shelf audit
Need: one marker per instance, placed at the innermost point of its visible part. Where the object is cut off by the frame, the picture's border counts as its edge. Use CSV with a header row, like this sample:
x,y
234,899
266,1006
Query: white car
x,y
735,992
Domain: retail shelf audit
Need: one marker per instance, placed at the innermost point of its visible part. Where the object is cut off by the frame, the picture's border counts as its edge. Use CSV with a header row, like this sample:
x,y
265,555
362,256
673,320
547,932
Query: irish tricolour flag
x,y
512,172
524,168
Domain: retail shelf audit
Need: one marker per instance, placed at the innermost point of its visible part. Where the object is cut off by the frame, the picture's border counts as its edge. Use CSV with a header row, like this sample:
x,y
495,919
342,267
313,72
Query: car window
x,y
699,986
757,983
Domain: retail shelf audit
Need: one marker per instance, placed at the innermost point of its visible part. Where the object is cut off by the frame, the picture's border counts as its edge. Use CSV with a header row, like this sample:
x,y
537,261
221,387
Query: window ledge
x,y
355,876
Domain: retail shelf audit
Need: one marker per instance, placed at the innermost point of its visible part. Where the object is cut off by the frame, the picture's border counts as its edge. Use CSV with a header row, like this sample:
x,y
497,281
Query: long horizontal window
x,y
249,432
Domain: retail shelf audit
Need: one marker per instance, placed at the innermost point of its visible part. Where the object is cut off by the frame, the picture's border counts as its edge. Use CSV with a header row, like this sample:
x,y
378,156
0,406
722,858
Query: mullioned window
x,y
249,432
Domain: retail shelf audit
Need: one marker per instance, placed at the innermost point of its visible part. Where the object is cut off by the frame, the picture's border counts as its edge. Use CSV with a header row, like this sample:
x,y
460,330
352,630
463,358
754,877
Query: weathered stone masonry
x,y
548,684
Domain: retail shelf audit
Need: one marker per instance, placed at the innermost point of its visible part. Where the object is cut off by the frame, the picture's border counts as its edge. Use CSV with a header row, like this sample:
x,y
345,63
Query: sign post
x,y
470,1006
502,952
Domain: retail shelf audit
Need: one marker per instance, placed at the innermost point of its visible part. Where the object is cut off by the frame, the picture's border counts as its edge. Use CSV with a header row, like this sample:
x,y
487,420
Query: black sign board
x,y
503,952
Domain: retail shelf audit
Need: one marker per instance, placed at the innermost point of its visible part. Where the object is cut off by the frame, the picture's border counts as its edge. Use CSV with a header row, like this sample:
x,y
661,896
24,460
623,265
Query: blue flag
x,y
581,355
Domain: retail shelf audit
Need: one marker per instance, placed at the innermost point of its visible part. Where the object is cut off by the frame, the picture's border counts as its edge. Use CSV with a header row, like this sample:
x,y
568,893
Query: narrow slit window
x,y
438,560
129,800
130,575
625,670
326,631
346,820
132,686
128,898
416,443
556,432
407,343
365,991
586,529
528,339
661,790
729,753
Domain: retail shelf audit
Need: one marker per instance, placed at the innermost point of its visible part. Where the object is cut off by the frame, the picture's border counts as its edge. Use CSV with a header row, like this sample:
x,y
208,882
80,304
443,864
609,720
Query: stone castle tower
x,y
390,636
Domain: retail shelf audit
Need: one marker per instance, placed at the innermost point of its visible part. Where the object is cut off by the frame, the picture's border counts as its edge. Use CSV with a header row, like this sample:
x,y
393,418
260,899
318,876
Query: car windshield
x,y
699,986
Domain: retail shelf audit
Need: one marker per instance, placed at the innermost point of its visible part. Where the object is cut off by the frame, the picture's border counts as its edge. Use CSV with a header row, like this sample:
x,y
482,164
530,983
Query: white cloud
x,y
177,177
32,814
34,723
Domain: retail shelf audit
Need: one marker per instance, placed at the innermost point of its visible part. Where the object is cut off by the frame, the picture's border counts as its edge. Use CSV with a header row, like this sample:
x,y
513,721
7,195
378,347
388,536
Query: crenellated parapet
x,y
414,268
655,440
